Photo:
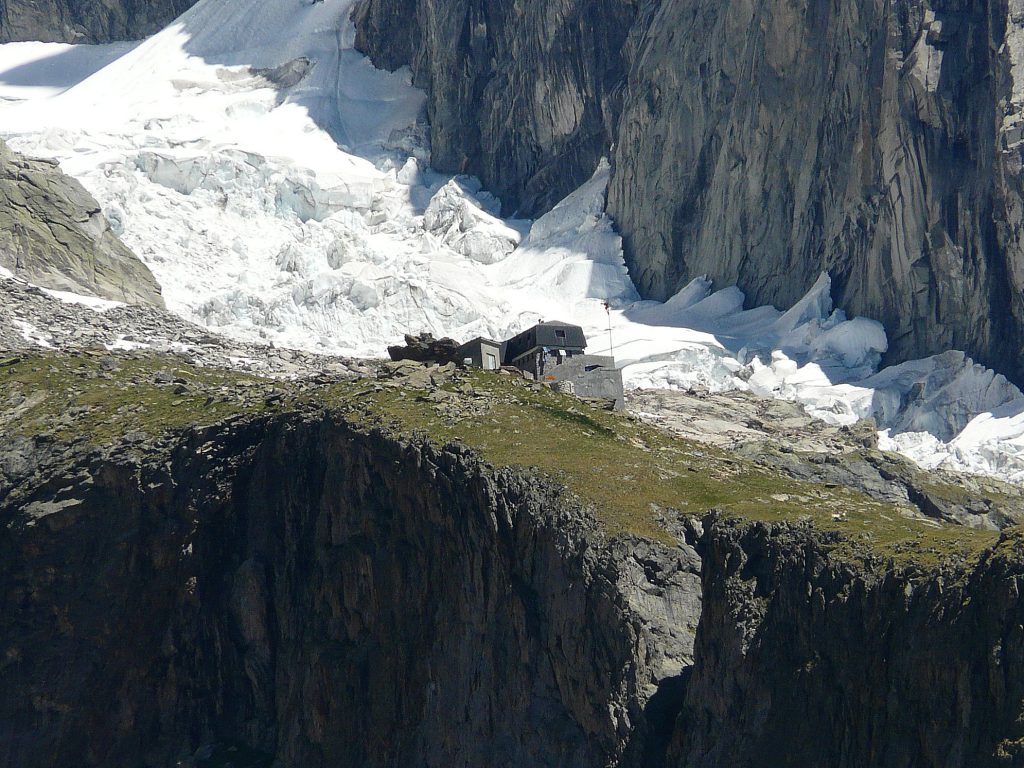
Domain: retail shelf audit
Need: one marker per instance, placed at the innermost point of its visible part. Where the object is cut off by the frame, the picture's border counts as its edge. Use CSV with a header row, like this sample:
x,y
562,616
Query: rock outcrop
x,y
86,21
326,596
523,94
53,234
757,144
424,348
781,435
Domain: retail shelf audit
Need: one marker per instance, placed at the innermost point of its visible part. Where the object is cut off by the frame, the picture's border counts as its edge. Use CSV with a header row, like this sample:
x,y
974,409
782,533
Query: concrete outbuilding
x,y
482,352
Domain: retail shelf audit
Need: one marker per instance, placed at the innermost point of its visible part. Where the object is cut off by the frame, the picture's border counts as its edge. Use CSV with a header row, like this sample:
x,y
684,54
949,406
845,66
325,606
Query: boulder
x,y
424,348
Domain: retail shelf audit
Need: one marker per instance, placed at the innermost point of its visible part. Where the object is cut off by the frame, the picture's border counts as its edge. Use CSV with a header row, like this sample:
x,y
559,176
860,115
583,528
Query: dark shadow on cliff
x,y
649,745
234,755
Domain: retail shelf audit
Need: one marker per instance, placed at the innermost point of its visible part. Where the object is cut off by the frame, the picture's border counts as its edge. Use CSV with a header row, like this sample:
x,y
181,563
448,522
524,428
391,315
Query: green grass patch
x,y
628,472
74,397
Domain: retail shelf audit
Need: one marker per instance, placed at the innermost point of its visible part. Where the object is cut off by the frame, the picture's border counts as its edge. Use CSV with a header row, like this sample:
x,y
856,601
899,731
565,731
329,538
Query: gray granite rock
x,y
53,234
781,436
86,21
522,93
764,144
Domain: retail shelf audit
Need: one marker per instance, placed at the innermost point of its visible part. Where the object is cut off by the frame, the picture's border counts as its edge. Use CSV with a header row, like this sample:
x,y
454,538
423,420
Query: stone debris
x,y
781,436
30,318
735,419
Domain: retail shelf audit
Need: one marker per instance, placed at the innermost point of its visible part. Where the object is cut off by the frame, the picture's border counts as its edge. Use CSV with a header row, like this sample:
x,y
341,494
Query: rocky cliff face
x,y
328,597
295,589
803,661
86,21
294,585
53,234
764,144
523,94
760,144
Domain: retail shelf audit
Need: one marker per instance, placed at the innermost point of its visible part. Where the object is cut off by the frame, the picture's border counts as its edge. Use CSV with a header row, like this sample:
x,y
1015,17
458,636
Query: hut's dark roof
x,y
546,335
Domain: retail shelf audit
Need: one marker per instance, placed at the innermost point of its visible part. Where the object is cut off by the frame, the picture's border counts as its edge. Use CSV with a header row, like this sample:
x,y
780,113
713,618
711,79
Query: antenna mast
x,y
611,346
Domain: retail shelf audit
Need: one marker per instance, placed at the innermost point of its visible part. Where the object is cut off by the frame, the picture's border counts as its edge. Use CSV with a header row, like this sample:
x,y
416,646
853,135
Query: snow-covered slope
x,y
279,188
36,70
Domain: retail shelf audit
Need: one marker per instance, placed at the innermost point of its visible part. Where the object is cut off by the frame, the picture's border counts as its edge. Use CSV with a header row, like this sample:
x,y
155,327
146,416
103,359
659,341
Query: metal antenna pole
x,y
611,346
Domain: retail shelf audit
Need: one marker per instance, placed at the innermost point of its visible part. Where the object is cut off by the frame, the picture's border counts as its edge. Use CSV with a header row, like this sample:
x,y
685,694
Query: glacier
x,y
279,187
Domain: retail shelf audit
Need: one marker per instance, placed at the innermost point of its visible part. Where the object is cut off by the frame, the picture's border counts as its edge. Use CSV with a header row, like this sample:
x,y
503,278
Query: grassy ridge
x,y
75,397
630,473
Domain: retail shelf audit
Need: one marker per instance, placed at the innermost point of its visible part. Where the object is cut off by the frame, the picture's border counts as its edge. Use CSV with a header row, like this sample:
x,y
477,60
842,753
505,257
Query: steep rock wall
x,y
323,596
806,661
86,21
523,94
327,597
759,144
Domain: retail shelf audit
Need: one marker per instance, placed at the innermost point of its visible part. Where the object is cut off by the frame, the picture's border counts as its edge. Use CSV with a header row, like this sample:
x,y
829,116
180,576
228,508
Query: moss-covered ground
x,y
629,472
75,397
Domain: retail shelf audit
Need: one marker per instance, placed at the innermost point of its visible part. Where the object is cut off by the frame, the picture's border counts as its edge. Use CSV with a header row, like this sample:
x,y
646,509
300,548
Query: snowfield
x,y
280,189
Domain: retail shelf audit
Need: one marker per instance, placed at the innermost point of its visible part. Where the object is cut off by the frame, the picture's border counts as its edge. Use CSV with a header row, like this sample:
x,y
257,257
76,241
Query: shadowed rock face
x,y
324,596
327,597
53,234
803,662
523,93
759,144
86,21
